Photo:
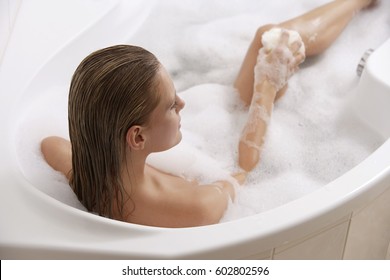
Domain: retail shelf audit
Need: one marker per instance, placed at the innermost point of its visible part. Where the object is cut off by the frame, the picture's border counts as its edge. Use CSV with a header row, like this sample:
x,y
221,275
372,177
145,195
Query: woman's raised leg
x,y
318,28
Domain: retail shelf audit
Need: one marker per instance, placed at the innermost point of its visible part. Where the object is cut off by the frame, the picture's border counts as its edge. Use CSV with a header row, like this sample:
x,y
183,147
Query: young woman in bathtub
x,y
123,106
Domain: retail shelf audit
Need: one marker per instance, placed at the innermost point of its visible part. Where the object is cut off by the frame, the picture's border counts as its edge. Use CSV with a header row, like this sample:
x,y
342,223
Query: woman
x,y
123,106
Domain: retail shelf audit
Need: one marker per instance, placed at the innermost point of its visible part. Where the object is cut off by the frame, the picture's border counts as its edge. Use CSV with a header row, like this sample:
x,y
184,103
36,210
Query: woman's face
x,y
164,126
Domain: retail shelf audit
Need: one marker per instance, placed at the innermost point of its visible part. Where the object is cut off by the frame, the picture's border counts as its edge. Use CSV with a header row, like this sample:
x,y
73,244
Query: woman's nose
x,y
181,104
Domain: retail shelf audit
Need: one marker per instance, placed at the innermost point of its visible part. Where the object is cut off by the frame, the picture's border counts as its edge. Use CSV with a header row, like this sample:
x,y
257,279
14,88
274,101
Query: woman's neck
x,y
133,171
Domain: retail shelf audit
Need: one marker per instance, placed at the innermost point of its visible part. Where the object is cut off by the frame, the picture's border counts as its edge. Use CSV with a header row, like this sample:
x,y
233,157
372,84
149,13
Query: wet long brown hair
x,y
111,90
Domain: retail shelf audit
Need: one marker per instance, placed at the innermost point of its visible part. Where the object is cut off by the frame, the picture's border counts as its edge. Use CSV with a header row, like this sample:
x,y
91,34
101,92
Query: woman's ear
x,y
135,138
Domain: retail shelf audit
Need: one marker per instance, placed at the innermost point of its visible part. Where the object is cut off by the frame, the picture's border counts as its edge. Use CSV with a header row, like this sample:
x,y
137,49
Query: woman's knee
x,y
260,31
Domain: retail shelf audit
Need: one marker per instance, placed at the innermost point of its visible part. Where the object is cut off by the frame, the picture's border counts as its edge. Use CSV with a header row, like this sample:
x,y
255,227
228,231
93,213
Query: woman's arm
x,y
273,69
252,137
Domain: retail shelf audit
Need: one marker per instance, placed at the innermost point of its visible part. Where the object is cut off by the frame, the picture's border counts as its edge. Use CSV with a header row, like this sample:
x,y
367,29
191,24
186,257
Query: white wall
x,y
8,12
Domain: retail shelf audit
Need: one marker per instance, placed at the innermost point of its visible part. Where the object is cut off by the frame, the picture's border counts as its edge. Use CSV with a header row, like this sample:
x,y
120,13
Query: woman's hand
x,y
278,64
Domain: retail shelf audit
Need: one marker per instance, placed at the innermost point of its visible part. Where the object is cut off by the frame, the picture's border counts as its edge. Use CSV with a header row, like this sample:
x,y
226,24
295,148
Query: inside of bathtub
x,y
313,137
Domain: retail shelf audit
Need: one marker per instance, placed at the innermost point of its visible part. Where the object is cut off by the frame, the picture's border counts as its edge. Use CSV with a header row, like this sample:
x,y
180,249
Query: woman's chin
x,y
179,137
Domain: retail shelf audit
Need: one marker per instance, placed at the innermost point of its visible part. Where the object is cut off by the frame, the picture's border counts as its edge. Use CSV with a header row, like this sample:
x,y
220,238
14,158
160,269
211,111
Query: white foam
x,y
271,39
310,141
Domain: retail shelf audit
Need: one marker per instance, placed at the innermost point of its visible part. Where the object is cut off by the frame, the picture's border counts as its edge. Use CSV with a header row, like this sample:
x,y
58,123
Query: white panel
x,y
369,233
325,245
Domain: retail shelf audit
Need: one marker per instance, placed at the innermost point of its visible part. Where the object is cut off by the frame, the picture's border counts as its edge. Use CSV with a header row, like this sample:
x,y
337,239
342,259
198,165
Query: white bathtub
x,y
349,218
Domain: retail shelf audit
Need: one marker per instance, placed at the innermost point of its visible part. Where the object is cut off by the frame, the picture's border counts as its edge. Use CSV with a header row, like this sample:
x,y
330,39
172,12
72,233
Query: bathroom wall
x,y
8,12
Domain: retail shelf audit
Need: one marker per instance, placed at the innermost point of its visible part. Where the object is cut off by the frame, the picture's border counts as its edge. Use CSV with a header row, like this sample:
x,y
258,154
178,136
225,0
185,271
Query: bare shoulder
x,y
179,203
57,152
54,142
